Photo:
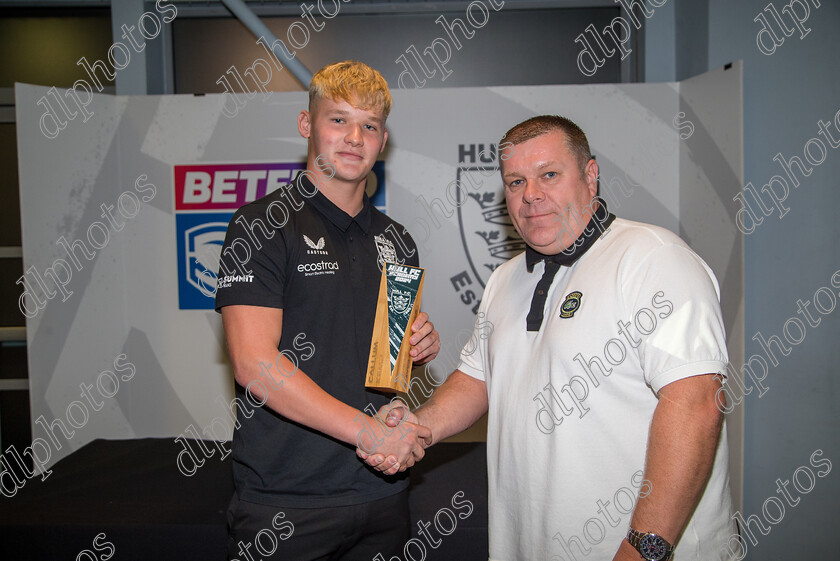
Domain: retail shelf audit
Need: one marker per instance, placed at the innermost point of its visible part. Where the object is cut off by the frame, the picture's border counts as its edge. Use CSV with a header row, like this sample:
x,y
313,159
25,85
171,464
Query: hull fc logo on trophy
x,y
389,365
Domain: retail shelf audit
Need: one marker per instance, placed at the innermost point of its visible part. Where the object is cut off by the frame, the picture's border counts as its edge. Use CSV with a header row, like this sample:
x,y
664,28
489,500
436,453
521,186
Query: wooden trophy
x,y
389,365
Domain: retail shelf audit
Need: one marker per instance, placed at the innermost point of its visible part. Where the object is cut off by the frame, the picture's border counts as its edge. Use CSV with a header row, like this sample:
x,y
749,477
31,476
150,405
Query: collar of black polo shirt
x,y
603,218
338,217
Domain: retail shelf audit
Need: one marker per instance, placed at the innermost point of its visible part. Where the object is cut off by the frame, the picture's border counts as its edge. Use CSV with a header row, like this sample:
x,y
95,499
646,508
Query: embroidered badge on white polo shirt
x,y
571,304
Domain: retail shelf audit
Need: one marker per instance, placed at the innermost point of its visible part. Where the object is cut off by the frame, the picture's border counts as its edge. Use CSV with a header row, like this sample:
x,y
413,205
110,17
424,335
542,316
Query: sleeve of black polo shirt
x,y
252,264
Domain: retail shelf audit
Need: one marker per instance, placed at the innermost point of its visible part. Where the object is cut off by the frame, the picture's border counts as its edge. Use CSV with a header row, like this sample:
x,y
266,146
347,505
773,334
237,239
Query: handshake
x,y
397,440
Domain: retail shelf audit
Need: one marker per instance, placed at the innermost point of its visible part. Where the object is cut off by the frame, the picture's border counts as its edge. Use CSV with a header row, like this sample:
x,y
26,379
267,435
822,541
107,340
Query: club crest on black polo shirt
x,y
571,304
387,251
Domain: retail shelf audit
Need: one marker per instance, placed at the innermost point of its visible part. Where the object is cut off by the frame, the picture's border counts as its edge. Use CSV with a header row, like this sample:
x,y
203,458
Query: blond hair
x,y
354,82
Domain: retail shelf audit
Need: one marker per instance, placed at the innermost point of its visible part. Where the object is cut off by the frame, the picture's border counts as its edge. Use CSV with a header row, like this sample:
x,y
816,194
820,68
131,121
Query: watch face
x,y
652,547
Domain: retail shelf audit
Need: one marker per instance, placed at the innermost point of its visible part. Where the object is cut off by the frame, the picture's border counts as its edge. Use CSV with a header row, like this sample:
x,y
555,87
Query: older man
x,y
599,376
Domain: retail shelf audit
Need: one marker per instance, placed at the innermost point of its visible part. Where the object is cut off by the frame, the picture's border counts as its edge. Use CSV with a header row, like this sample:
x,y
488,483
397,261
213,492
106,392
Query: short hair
x,y
537,126
354,82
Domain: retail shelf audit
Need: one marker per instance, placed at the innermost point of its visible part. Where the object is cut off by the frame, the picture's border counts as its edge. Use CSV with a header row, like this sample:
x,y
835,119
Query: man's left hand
x,y
425,341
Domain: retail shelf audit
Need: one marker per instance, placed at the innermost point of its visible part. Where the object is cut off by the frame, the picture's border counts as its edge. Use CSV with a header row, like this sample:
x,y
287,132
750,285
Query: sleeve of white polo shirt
x,y
680,292
263,262
474,355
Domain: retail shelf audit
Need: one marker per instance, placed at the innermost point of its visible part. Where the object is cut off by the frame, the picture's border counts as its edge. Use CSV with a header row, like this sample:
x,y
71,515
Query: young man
x,y
600,375
309,290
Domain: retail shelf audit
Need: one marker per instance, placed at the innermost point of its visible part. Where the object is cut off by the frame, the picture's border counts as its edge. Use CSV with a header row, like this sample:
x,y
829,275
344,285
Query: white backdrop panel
x,y
126,297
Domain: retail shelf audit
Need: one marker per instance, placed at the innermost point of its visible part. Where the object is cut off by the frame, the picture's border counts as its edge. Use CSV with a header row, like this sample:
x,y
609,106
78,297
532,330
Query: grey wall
x,y
789,258
692,29
676,41
498,53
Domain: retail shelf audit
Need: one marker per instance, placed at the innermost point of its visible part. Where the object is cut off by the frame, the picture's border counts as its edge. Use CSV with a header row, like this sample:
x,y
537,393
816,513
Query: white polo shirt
x,y
570,405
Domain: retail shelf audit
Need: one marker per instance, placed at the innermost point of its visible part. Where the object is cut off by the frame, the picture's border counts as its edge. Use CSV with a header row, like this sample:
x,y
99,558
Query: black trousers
x,y
349,533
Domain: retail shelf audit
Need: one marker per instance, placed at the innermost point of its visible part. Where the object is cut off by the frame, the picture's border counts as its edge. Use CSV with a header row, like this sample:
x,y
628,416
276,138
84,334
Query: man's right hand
x,y
458,403
400,445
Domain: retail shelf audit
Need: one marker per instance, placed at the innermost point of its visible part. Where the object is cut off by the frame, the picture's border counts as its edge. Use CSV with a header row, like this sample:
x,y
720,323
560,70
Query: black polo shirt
x,y
322,267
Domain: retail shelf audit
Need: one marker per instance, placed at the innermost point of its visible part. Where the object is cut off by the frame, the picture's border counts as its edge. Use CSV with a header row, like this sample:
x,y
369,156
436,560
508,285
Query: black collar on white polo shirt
x,y
565,258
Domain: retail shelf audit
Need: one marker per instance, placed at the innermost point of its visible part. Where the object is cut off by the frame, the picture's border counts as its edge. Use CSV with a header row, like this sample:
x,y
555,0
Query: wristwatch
x,y
652,547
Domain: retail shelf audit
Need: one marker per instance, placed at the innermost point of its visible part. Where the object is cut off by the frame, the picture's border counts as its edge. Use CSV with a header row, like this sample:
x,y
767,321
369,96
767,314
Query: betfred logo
x,y
228,186
206,195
